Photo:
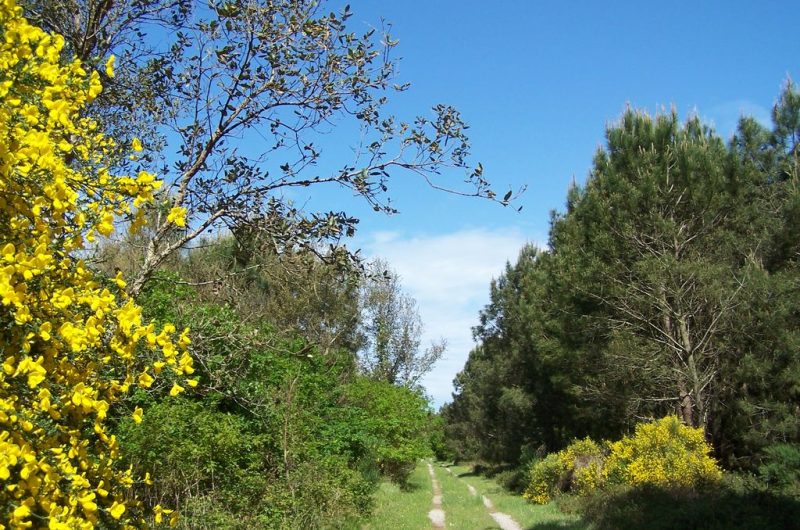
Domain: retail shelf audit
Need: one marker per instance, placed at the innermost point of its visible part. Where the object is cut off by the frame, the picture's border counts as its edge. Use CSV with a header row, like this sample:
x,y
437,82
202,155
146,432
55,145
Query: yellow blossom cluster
x,y
666,453
70,341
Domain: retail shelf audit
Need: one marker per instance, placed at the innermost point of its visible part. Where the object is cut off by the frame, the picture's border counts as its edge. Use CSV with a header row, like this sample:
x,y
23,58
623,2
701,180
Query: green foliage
x,y
663,508
186,444
277,434
780,468
262,442
163,298
514,480
395,420
437,438
669,286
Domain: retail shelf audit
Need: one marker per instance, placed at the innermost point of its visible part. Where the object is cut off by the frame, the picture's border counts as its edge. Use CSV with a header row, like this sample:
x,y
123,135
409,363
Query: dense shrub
x,y
514,480
665,452
436,436
716,507
396,420
193,449
584,461
267,440
578,468
545,479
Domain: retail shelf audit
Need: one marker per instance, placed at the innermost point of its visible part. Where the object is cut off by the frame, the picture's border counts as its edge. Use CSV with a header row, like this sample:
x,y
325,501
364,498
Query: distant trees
x,y
391,330
669,287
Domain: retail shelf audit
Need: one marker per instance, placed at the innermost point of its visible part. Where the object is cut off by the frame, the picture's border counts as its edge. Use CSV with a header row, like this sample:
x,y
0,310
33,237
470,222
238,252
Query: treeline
x,y
669,286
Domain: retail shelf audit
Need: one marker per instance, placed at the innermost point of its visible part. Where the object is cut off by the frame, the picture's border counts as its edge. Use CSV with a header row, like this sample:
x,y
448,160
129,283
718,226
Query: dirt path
x,y
503,520
436,515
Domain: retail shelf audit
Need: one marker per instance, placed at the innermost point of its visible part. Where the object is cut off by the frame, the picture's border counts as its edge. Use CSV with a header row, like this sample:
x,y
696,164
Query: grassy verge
x,y
529,516
403,509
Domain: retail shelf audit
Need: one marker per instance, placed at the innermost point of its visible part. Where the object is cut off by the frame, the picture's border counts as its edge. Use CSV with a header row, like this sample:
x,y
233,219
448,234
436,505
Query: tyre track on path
x,y
505,521
436,515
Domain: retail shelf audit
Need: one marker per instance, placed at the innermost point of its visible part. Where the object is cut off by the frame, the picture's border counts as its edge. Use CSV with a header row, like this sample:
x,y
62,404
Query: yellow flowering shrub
x,y
577,468
545,478
68,338
585,459
665,453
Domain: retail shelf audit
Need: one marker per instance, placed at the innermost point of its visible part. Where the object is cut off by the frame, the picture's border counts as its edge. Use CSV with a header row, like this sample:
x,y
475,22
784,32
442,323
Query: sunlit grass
x,y
529,516
397,509
403,509
462,510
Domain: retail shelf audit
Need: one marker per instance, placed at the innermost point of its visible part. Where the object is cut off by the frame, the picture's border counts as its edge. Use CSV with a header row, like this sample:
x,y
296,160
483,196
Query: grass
x,y
408,510
529,516
461,509
403,509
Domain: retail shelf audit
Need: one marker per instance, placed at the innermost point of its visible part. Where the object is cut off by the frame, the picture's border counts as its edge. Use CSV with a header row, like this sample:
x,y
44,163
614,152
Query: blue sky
x,y
538,82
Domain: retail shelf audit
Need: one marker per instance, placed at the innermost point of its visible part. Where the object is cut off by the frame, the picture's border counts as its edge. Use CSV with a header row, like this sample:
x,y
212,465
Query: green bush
x,y
201,456
396,422
436,436
514,480
276,435
714,507
780,468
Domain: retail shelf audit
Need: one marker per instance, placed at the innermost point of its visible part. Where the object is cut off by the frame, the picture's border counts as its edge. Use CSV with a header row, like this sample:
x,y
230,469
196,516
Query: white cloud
x,y
725,116
449,276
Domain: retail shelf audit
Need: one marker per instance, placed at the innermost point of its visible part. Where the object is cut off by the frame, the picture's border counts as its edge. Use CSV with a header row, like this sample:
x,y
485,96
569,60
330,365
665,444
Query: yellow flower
x,y
110,66
177,216
176,389
116,510
8,252
136,145
44,331
137,415
145,380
